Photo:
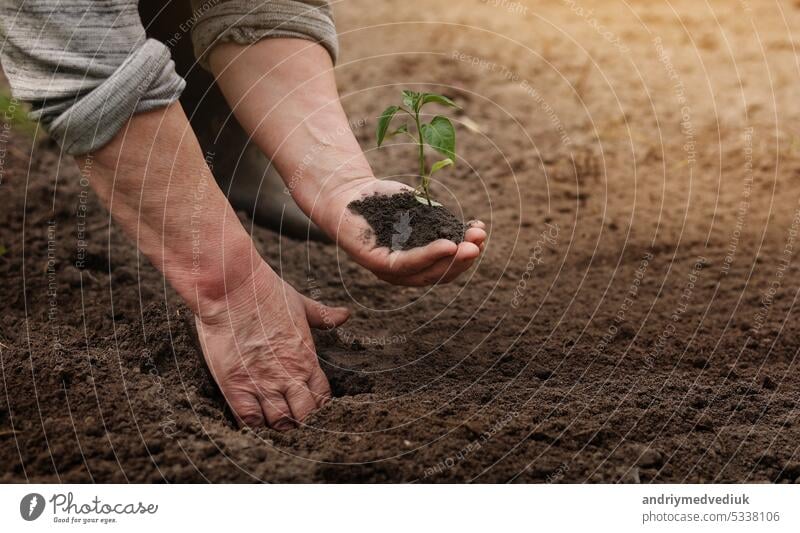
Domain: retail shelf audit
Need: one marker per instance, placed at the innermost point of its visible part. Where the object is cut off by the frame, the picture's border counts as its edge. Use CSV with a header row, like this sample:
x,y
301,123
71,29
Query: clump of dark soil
x,y
401,222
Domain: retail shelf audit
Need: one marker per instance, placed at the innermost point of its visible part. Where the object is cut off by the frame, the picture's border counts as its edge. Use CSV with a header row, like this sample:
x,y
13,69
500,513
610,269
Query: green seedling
x,y
439,134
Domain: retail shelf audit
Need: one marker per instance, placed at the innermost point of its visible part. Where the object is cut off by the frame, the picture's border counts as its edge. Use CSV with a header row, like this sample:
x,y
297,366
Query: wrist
x,y
218,306
311,193
206,274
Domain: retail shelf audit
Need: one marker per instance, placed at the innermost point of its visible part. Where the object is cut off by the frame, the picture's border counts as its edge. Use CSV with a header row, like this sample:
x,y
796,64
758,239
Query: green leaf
x,y
3,250
398,131
436,99
439,165
383,122
441,136
421,199
410,99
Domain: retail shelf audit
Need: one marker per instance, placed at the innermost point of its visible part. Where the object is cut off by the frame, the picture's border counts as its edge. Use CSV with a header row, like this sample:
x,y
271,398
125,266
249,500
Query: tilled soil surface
x,y
632,319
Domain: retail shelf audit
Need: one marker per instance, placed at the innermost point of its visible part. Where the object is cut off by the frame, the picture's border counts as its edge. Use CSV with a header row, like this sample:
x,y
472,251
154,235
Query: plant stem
x,y
422,173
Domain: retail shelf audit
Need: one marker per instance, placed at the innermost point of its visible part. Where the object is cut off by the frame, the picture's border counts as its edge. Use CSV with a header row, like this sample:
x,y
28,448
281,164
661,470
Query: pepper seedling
x,y
439,134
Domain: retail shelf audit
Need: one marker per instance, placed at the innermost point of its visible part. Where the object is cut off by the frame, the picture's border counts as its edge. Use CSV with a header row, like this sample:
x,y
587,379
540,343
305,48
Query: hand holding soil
x,y
440,261
408,238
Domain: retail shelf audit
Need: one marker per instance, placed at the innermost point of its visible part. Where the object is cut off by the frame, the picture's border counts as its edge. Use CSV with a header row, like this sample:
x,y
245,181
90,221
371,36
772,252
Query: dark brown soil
x,y
401,222
633,318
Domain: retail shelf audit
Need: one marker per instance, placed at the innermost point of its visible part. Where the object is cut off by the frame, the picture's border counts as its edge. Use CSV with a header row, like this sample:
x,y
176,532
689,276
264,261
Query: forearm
x,y
284,94
153,178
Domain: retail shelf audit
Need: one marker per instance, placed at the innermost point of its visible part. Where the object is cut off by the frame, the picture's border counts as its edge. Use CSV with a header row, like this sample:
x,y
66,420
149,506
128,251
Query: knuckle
x,y
272,393
298,388
295,371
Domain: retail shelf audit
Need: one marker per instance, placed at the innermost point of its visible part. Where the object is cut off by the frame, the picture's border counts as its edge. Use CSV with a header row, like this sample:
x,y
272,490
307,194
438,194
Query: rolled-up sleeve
x,y
85,66
248,21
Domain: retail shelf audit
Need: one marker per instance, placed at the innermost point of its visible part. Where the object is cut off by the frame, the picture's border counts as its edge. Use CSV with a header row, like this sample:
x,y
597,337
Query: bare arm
x,y
284,94
153,178
253,327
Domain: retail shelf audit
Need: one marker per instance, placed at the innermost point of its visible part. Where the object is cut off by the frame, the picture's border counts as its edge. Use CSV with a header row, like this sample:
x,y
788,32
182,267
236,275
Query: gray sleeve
x,y
85,67
248,21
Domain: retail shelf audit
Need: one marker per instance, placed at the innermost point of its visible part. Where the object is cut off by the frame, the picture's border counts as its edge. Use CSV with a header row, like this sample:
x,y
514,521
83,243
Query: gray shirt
x,y
86,66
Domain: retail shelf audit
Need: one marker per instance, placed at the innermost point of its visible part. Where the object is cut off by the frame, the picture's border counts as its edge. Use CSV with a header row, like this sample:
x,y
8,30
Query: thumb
x,y
323,317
